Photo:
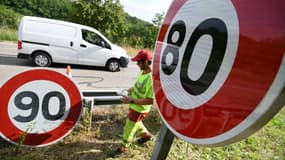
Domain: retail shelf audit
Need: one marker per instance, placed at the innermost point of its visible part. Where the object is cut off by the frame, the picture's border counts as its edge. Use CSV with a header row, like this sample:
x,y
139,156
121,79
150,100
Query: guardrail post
x,y
87,113
97,97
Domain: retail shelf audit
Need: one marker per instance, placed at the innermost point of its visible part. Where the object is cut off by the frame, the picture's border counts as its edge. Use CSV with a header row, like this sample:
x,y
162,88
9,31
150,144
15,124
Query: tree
x,y
107,16
157,20
9,18
140,34
58,9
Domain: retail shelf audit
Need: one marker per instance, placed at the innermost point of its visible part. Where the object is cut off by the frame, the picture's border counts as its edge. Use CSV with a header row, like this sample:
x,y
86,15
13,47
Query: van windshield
x,y
93,38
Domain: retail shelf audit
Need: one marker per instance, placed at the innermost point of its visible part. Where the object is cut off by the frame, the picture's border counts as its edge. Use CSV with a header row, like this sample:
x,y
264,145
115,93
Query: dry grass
x,y
7,34
133,51
107,123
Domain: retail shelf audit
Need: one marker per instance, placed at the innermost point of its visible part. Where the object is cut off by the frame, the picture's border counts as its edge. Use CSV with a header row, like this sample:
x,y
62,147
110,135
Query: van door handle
x,y
71,43
83,45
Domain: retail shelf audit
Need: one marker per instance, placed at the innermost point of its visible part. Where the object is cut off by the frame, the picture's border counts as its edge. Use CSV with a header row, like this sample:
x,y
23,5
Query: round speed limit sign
x,y
38,107
219,68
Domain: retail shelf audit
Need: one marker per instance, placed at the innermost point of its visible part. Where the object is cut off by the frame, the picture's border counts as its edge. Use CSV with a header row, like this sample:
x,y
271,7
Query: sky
x,y
145,9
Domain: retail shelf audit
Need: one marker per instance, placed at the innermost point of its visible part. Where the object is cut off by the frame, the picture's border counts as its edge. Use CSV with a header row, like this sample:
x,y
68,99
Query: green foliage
x,y
9,18
58,9
140,34
110,19
157,20
106,16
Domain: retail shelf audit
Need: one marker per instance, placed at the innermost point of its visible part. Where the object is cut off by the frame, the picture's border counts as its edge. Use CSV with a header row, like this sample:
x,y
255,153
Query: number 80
x,y
214,27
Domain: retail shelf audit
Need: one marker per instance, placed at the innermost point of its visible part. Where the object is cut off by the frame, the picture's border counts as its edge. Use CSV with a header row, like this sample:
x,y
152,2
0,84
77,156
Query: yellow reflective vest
x,y
142,89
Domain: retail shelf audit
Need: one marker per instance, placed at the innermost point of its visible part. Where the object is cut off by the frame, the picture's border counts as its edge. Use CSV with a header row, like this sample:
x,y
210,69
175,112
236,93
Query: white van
x,y
49,41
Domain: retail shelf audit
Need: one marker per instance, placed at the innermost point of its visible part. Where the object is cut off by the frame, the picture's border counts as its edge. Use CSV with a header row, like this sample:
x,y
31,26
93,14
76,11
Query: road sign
x,y
38,107
219,68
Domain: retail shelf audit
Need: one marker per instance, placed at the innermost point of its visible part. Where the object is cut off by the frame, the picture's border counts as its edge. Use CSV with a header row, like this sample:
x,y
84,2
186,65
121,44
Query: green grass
x,y
266,144
7,34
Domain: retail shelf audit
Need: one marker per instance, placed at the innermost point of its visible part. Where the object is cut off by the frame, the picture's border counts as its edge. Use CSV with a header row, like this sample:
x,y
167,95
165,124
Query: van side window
x,y
93,38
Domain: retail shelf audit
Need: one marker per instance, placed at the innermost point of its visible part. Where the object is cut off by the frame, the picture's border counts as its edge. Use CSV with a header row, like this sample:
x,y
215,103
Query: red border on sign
x,y
260,52
13,133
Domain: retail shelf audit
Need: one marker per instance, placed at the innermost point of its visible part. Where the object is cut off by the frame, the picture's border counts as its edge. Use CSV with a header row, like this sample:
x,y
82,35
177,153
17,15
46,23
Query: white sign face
x,y
203,46
41,104
219,68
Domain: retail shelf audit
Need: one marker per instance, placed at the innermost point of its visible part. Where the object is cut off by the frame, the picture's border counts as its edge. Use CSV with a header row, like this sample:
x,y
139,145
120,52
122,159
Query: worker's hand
x,y
126,99
130,90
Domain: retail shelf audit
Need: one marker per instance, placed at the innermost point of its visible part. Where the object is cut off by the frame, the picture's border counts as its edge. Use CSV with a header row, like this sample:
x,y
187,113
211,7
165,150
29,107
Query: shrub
x,y
9,18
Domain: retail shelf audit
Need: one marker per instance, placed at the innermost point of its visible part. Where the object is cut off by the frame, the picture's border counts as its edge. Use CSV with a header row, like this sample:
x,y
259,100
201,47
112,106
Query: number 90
x,y
35,104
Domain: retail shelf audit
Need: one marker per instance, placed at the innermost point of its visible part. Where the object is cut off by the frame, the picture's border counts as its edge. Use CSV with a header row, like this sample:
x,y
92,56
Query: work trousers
x,y
133,126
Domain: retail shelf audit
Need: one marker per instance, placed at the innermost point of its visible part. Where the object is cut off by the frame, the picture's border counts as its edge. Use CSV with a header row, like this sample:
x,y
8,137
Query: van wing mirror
x,y
103,44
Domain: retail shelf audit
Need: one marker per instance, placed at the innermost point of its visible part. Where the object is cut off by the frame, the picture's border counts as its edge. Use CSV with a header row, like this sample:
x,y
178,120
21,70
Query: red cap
x,y
142,55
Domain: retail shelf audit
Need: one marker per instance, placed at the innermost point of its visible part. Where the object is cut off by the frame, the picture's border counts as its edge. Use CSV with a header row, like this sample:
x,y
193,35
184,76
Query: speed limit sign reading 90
x,y
219,68
38,106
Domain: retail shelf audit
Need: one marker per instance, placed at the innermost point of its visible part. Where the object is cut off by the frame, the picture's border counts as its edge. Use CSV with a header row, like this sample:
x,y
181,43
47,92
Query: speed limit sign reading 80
x,y
38,107
219,68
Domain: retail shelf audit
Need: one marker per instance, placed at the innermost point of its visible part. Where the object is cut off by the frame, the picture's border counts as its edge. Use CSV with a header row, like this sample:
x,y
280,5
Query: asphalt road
x,y
86,77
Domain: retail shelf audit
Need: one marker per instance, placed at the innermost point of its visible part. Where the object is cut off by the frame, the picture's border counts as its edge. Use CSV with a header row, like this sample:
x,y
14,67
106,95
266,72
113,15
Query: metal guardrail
x,y
102,97
97,97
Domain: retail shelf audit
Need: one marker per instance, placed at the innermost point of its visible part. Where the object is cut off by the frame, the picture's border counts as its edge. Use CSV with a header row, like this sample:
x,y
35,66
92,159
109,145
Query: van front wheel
x,y
113,65
42,59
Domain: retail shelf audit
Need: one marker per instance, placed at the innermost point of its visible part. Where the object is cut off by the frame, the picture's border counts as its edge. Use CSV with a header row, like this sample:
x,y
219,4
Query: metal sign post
x,y
163,143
